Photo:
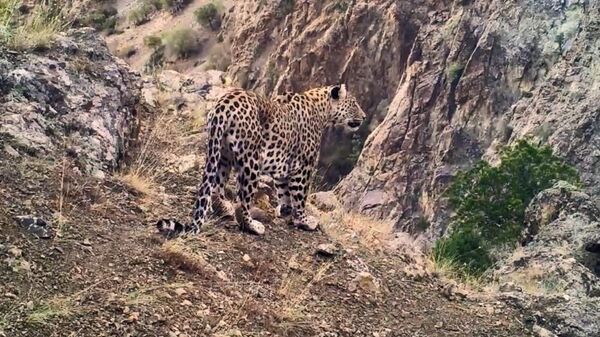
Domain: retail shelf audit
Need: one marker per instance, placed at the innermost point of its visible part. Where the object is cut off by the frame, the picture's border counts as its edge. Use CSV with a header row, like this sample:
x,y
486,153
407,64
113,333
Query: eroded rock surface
x,y
75,99
554,272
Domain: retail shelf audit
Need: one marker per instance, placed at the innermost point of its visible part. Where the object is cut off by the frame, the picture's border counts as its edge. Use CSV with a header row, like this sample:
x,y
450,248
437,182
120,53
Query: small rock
x,y
11,151
324,201
87,243
542,332
98,174
293,264
23,266
36,226
10,295
222,276
29,305
16,252
187,303
439,325
364,281
509,287
327,249
180,292
133,317
246,258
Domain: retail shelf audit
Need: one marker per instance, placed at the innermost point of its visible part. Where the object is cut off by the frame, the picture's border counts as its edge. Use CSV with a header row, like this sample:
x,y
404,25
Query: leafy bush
x,y
141,14
208,16
103,19
490,202
455,71
152,41
181,42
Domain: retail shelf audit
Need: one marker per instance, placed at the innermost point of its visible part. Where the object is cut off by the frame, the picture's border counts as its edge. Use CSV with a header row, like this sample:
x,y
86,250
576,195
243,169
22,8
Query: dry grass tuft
x,y
48,310
38,29
180,254
295,289
157,144
141,183
355,230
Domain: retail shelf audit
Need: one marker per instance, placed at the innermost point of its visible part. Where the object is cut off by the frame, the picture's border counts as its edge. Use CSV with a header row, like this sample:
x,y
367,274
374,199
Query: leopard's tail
x,y
217,128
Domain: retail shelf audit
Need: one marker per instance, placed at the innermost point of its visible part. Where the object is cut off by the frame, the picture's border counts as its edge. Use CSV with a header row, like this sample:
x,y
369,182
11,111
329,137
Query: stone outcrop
x,y
444,83
74,99
555,272
365,45
478,77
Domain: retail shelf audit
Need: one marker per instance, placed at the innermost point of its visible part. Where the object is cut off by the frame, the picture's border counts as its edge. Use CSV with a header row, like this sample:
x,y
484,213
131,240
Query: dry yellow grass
x,y
180,254
352,230
294,290
162,137
38,29
143,184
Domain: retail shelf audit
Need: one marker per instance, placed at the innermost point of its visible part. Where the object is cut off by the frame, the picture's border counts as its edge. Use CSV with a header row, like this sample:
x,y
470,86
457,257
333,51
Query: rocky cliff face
x,y
75,99
556,271
365,44
482,76
447,83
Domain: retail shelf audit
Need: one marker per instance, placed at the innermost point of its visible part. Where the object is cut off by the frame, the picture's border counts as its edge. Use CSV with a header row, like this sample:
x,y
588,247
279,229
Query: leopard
x,y
258,136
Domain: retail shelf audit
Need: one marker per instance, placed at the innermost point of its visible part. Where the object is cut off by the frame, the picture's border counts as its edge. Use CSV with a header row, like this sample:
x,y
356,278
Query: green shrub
x,y
285,7
490,202
141,13
341,6
103,19
152,41
181,42
455,71
208,16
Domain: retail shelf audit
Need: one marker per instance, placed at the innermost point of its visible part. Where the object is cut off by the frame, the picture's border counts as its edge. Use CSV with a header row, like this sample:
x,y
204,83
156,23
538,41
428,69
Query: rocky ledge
x,y
74,99
555,273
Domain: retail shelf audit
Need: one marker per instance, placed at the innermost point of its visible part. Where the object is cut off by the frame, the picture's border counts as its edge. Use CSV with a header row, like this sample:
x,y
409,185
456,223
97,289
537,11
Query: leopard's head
x,y
345,110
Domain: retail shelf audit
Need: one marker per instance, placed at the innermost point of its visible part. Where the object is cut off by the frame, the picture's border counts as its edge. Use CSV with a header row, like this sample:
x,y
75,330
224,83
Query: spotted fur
x,y
280,138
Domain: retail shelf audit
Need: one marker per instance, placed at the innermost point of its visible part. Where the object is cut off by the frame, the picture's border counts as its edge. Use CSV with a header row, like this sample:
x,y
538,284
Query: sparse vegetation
x,y
490,203
285,7
455,71
103,19
341,6
38,29
569,28
355,230
152,41
209,16
181,42
218,59
45,311
142,12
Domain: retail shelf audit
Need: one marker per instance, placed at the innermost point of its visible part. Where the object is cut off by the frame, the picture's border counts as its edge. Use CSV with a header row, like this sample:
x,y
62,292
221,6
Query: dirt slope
x,y
104,274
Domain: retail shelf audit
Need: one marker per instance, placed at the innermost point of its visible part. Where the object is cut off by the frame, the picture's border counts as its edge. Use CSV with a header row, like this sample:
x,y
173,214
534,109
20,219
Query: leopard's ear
x,y
338,91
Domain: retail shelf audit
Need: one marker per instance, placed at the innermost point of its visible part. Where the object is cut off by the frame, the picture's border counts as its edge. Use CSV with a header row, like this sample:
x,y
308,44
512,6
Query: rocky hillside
x,y
93,152
78,254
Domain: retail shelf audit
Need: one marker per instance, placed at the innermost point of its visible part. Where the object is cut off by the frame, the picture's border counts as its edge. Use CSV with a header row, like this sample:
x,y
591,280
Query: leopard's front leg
x,y
298,186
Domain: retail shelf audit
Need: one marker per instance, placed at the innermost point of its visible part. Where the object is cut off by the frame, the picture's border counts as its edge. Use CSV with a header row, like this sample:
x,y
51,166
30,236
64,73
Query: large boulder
x,y
74,99
556,269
